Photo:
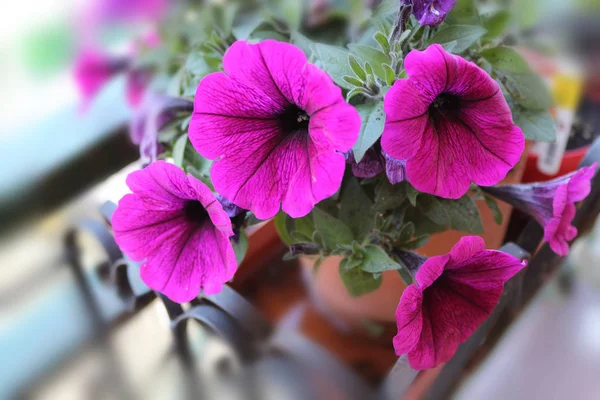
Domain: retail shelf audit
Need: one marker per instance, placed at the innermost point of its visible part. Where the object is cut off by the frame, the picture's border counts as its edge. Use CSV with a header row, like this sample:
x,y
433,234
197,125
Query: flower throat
x,y
294,120
195,212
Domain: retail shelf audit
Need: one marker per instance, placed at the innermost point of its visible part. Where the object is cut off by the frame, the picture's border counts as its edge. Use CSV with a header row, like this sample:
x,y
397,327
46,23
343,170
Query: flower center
x,y
195,211
294,120
444,104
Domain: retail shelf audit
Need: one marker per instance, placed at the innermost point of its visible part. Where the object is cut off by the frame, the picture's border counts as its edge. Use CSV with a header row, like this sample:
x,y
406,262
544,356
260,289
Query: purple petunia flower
x,y
277,127
178,228
394,169
154,114
454,294
451,123
375,162
371,165
551,204
93,69
430,12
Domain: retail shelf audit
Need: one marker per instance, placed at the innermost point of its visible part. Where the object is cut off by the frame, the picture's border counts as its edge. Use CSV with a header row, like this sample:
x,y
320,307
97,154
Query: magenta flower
x,y
155,113
430,12
454,294
93,70
451,123
277,127
176,226
551,203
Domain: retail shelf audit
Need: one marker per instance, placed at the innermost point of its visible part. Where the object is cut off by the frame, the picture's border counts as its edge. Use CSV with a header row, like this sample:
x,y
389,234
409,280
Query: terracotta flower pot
x,y
332,298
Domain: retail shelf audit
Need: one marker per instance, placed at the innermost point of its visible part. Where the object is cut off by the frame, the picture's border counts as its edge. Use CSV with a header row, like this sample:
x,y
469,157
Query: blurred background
x,y
76,322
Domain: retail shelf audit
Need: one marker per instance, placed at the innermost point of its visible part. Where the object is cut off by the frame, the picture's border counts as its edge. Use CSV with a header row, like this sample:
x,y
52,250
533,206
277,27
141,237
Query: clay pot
x,y
332,298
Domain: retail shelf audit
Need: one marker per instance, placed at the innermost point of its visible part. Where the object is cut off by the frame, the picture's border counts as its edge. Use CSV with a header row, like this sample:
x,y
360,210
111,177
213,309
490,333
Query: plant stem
x,y
400,25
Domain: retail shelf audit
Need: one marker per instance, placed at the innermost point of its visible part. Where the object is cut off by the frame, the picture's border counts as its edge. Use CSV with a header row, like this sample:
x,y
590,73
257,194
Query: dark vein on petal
x,y
480,142
411,118
482,99
192,231
450,289
237,116
258,167
166,221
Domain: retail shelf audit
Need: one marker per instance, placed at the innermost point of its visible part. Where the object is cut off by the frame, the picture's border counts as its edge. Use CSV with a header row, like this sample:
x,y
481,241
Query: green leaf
x,y
390,75
505,58
461,215
358,70
383,42
281,226
197,65
386,8
493,205
464,35
525,86
334,60
359,282
305,225
350,262
536,125
333,230
356,210
355,92
463,12
377,260
247,26
406,233
373,120
423,225
527,89
388,196
179,150
412,194
304,43
353,81
292,12
371,55
241,247
496,24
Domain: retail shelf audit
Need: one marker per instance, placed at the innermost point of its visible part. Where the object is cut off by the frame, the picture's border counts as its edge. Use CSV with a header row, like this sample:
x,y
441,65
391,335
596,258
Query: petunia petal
x,y
558,231
440,169
466,80
160,185
335,127
452,312
140,229
495,144
274,67
484,270
317,176
464,250
409,320
431,270
406,120
190,259
320,92
427,71
580,185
